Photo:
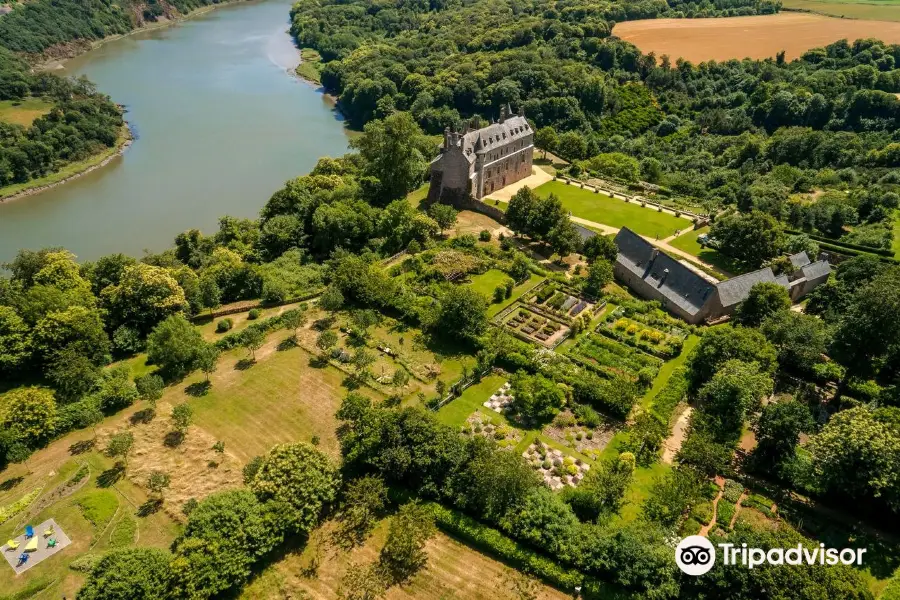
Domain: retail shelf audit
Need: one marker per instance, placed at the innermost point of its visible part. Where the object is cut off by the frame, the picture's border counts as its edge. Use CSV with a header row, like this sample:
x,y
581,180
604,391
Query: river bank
x,y
66,52
70,172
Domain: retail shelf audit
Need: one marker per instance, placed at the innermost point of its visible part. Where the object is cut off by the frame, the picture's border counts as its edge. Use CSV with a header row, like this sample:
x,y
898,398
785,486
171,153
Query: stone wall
x,y
462,201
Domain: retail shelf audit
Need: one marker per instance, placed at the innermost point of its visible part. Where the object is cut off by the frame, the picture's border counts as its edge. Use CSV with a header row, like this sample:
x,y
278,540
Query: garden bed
x,y
584,440
536,327
614,358
492,428
557,469
642,336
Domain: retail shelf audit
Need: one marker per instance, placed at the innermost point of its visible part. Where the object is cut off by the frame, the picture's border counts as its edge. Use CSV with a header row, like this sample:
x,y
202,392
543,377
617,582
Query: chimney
x,y
446,138
502,113
653,254
521,110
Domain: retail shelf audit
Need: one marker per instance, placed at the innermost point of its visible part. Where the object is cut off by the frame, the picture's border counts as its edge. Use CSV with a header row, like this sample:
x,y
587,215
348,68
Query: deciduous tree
x,y
134,573
300,476
29,413
764,300
403,554
175,345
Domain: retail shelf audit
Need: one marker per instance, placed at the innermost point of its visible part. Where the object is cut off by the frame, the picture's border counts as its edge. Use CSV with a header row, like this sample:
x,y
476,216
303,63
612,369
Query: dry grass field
x,y
23,112
763,36
454,571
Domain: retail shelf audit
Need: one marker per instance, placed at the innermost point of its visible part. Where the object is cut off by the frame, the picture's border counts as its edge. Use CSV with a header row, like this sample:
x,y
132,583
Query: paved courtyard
x,y
43,550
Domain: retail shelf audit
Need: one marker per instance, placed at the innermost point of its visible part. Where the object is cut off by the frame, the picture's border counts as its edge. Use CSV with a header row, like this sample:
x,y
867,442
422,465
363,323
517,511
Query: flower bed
x,y
557,469
612,356
586,440
483,425
642,336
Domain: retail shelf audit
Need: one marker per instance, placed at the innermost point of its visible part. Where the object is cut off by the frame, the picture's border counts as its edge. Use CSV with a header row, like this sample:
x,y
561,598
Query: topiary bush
x,y
484,235
224,325
253,314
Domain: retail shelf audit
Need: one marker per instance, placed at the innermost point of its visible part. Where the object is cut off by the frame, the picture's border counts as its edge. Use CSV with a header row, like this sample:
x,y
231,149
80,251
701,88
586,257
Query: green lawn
x,y
458,410
615,213
666,370
688,242
89,517
519,291
23,112
280,399
487,282
417,196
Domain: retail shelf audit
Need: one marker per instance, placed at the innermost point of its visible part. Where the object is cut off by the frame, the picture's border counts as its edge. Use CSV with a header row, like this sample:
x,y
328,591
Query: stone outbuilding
x,y
654,275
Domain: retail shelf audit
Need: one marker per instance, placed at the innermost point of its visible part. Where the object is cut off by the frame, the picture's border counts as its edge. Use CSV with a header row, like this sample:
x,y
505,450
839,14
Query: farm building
x,y
655,275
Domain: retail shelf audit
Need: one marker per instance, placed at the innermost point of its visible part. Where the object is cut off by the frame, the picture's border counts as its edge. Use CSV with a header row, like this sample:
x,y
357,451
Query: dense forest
x,y
753,134
34,27
82,122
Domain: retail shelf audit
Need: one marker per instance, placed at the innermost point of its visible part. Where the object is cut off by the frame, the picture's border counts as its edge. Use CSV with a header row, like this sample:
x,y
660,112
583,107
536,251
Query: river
x,y
220,123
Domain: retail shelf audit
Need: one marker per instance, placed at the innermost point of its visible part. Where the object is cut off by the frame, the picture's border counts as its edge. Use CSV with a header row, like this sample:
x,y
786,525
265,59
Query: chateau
x,y
474,163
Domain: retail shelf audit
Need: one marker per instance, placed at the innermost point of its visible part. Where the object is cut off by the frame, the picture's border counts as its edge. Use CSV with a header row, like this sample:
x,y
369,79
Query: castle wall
x,y
505,165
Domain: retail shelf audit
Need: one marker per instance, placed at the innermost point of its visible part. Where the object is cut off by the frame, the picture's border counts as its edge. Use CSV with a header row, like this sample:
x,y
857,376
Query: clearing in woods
x,y
762,36
23,112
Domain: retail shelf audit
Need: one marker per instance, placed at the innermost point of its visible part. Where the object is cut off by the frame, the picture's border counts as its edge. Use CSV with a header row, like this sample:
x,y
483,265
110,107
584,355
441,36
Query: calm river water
x,y
220,123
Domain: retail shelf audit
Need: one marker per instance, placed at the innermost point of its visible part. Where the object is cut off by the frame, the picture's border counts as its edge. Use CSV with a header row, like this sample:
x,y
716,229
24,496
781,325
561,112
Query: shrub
x,y
590,435
499,293
484,235
546,464
563,420
646,376
702,512
733,490
253,314
224,325
587,416
85,563
669,397
690,527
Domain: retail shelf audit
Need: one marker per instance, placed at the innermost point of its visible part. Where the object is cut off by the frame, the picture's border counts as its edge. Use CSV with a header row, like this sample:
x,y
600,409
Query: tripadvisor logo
x,y
696,555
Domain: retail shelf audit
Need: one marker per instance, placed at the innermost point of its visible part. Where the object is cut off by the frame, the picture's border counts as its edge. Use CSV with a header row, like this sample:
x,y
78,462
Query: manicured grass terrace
x,y
613,212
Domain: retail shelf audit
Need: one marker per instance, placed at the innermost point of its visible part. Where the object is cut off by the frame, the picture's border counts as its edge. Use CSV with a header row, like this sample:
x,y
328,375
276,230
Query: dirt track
x,y
762,36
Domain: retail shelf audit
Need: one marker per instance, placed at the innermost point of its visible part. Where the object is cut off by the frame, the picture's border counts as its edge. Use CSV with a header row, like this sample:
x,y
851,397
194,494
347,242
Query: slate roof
x,y
783,281
736,289
494,136
584,232
678,284
799,260
815,270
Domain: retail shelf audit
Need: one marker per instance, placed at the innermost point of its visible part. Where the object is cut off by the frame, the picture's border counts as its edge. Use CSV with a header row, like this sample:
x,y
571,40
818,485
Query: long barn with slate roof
x,y
476,163
655,275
